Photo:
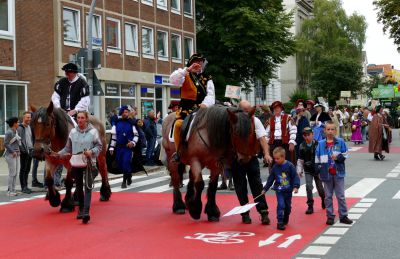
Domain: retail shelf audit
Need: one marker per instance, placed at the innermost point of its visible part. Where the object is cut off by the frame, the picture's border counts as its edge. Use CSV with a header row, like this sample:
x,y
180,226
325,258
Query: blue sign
x,y
132,90
96,41
158,80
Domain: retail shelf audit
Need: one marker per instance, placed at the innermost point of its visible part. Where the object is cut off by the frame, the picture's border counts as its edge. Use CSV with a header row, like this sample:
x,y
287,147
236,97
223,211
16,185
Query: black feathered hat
x,y
194,57
70,67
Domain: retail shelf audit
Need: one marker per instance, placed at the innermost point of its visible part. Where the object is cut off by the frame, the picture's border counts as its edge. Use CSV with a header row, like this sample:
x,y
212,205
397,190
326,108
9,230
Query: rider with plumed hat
x,y
71,93
197,91
124,137
281,131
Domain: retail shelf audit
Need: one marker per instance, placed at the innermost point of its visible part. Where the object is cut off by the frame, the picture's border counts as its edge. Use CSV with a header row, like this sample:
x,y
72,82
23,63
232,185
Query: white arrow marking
x,y
290,240
269,240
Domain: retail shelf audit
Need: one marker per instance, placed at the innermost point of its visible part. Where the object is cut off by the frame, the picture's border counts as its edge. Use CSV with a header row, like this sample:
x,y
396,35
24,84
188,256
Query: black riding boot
x,y
80,213
123,185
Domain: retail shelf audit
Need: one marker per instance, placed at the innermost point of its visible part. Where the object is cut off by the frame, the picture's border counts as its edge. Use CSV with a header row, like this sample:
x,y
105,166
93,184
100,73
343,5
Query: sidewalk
x,y
4,175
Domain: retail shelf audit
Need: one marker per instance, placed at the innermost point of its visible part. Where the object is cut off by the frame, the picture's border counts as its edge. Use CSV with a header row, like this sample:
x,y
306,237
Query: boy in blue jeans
x,y
329,158
285,180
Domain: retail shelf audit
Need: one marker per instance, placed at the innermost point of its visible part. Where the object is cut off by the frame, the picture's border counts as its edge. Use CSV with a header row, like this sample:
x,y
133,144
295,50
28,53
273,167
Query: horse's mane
x,y
216,121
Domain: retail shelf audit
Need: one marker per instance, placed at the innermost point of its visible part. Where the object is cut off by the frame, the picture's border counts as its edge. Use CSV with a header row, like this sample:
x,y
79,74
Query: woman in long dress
x,y
356,136
378,134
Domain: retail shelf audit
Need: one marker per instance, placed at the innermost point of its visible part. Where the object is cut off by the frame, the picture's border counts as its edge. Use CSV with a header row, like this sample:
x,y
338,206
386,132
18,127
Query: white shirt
x,y
260,130
278,131
82,105
177,78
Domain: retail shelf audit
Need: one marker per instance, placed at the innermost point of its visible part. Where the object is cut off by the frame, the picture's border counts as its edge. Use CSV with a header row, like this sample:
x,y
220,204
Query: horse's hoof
x,y
213,219
104,198
55,201
66,209
179,211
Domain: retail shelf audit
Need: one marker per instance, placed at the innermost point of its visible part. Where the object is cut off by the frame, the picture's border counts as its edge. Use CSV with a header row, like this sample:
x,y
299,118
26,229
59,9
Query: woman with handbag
x,y
85,145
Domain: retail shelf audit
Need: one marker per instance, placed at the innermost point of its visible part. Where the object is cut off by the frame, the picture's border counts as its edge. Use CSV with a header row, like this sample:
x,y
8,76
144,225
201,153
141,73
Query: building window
x,y
131,39
12,103
113,29
162,45
188,45
176,6
162,4
96,30
187,7
72,27
148,2
147,42
176,50
117,95
6,17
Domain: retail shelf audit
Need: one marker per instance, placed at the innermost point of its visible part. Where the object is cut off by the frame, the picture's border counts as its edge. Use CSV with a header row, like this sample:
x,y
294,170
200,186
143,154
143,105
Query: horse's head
x,y
43,125
243,137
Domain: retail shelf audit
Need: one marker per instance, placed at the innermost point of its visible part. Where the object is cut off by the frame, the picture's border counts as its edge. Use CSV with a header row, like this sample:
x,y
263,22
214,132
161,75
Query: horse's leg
x,y
105,189
52,194
195,188
178,206
211,208
67,204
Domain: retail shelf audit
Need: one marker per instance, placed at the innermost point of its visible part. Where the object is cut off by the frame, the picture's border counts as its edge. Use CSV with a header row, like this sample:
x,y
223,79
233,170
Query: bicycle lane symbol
x,y
223,238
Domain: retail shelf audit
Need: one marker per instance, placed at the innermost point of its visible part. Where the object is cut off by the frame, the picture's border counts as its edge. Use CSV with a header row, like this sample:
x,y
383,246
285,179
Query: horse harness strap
x,y
202,139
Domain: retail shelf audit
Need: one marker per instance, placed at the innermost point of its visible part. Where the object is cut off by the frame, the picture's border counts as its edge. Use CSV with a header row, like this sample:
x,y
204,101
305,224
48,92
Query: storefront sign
x,y
158,80
112,89
232,91
345,94
161,80
128,90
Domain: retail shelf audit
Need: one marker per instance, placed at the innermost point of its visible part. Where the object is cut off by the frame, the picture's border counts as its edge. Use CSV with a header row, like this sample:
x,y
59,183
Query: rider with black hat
x,y
197,91
71,93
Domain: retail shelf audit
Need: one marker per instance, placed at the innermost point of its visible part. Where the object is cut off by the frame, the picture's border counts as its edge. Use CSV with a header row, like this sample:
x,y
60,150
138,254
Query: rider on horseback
x,y
71,93
197,91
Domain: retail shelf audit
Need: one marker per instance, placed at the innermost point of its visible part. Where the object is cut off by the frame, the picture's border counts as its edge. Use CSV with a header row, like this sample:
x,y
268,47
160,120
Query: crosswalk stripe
x,y
162,188
141,184
303,191
396,196
363,187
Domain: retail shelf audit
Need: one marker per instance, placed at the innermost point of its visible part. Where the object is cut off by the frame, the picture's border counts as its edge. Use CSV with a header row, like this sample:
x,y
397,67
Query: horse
x,y
217,136
51,127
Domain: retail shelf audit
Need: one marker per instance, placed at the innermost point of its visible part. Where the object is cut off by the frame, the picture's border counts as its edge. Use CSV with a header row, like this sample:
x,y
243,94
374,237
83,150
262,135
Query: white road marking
x,y
354,149
303,192
358,210
316,250
392,175
141,184
5,203
395,170
396,196
363,187
354,216
326,240
336,231
163,188
368,200
338,224
363,205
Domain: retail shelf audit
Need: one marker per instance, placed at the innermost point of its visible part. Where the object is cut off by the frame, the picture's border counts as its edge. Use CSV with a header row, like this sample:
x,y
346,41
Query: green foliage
x,y
334,74
389,16
330,50
287,107
299,94
243,39
372,83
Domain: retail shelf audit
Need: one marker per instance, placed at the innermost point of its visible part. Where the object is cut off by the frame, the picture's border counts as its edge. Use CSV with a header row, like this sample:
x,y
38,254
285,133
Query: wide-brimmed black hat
x,y
276,104
195,57
70,67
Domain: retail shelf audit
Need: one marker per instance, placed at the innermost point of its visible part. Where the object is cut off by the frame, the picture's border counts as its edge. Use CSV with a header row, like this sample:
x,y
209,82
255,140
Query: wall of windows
x,y
13,101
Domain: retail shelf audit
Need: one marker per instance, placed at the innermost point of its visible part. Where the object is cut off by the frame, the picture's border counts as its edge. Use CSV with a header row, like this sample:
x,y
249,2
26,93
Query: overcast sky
x,y
380,48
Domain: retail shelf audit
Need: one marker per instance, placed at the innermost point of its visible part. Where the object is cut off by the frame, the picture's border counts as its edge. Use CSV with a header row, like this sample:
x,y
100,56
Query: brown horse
x,y
51,127
218,136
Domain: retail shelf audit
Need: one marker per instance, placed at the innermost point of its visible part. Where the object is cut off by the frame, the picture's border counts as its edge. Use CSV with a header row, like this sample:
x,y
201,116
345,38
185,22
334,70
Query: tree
x,y
330,50
389,16
243,40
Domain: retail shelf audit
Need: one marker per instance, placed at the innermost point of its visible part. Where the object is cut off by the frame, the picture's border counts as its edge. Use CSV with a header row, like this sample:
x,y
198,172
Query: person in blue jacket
x,y
329,159
285,180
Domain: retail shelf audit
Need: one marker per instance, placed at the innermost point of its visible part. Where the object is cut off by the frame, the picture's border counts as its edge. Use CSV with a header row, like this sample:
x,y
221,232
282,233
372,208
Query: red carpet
x,y
135,225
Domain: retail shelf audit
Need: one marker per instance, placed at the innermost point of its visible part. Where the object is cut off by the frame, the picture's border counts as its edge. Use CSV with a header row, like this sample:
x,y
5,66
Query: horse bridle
x,y
47,142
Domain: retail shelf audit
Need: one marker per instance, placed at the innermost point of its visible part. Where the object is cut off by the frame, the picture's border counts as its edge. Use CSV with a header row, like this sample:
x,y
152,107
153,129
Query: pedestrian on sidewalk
x,y
12,142
329,158
150,130
83,140
378,134
306,165
26,148
356,125
284,179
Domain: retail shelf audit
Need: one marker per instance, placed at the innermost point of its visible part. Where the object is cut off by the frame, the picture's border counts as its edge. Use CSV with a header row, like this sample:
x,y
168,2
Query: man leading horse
x,y
197,91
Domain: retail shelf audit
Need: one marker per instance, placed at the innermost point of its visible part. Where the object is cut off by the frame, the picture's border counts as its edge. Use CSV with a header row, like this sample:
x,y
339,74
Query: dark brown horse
x,y
51,127
218,135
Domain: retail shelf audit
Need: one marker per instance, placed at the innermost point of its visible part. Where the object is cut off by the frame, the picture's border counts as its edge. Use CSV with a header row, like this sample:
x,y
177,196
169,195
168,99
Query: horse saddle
x,y
185,128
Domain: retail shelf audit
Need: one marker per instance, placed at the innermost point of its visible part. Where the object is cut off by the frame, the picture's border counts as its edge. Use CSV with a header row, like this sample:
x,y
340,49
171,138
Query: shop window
x,y
176,51
113,31
12,103
72,27
147,42
131,39
96,30
188,48
176,6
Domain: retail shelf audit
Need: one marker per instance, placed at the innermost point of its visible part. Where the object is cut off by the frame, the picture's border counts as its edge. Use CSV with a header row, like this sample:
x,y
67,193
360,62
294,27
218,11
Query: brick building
x,y
141,43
